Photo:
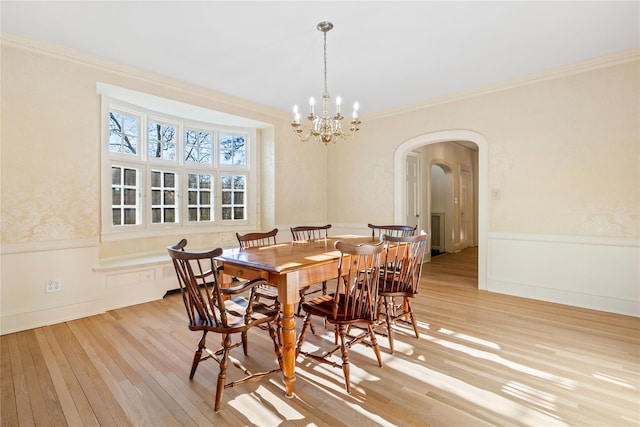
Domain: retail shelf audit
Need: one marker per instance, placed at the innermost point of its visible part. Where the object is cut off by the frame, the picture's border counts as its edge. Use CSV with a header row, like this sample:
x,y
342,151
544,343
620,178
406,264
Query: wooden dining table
x,y
289,266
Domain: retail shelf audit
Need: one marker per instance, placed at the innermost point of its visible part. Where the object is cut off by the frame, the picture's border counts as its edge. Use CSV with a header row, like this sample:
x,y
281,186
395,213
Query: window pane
x,y
161,140
155,179
130,177
123,133
169,151
226,213
193,214
205,198
130,217
238,182
156,215
169,179
238,213
155,150
116,196
226,157
155,197
198,145
238,198
232,149
116,175
205,214
226,197
169,197
225,181
130,126
193,197
130,197
239,159
205,181
115,143
169,215
116,215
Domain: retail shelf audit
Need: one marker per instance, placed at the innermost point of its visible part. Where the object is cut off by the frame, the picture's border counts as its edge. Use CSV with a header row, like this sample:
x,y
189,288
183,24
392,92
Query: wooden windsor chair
x,y
399,280
354,302
303,233
212,308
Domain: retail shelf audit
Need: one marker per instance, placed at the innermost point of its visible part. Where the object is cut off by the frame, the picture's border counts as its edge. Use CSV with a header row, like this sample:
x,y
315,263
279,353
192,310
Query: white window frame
x,y
144,164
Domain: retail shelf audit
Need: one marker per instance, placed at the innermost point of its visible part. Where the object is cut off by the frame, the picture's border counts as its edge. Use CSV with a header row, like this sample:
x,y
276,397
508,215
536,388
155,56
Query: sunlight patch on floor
x,y
480,354
476,395
264,408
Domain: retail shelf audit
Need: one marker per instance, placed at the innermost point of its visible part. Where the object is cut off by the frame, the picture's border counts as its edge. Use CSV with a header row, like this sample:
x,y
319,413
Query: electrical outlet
x,y
53,285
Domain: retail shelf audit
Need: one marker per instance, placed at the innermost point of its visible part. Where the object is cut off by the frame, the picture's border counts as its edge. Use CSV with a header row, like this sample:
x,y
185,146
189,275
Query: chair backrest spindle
x,y
377,231
357,284
402,266
309,233
253,240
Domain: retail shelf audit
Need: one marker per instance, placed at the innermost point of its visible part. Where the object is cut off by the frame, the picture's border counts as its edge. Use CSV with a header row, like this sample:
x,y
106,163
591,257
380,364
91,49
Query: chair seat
x,y
323,306
392,288
236,311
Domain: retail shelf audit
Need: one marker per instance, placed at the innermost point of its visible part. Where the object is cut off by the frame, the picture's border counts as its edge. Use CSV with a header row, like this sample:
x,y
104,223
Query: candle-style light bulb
x,y
355,110
338,103
312,102
296,114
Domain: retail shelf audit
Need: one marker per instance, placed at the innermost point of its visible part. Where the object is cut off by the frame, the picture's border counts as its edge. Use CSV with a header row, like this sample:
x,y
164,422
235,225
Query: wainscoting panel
x,y
25,304
597,273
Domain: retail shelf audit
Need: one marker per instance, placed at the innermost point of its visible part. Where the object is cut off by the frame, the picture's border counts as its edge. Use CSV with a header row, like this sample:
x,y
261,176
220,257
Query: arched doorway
x,y
400,183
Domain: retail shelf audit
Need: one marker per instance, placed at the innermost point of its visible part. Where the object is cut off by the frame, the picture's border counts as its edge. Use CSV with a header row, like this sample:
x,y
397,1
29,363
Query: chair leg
x,y
198,355
222,375
389,328
305,324
374,344
277,346
413,317
345,356
245,343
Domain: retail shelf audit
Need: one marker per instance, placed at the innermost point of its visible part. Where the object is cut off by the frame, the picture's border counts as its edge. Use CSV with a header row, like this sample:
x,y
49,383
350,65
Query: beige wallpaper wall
x,y
563,152
51,151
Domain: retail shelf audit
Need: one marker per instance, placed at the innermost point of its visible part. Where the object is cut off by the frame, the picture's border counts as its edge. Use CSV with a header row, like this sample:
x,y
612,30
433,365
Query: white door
x,y
413,191
466,209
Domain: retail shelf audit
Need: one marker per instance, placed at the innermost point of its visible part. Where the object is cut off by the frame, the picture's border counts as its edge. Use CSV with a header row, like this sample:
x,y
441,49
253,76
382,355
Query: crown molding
x,y
614,59
224,102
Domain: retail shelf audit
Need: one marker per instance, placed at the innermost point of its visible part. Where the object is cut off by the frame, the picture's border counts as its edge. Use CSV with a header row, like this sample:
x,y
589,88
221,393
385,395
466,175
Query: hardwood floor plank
x,y
50,399
482,359
8,409
69,414
75,405
97,391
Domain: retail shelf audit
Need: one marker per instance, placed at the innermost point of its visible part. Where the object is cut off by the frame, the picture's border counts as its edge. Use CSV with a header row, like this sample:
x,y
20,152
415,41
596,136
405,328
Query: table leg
x,y
288,346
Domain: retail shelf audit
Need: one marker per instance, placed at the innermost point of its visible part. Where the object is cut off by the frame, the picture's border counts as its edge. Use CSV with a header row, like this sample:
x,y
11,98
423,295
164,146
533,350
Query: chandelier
x,y
326,128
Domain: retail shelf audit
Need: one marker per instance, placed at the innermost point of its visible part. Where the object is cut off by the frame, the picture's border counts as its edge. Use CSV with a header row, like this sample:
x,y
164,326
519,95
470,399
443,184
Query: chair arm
x,y
243,287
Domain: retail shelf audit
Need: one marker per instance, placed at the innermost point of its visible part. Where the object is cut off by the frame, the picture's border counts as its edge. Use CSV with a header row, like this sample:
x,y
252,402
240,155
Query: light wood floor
x,y
482,359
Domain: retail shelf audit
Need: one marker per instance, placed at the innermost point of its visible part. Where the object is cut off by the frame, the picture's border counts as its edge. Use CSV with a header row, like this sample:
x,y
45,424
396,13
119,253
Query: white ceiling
x,y
383,54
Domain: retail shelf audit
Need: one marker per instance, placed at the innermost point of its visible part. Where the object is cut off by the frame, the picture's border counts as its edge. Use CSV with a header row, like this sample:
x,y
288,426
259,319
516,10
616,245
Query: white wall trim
x,y
52,245
583,240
